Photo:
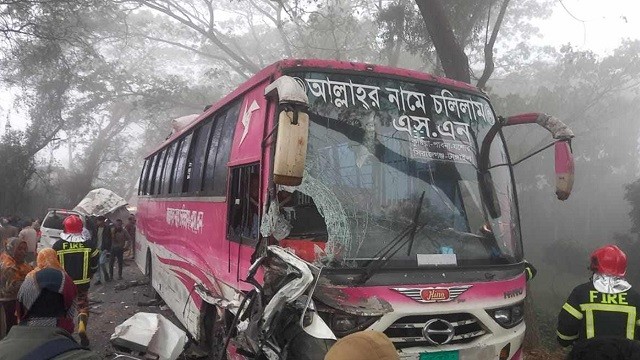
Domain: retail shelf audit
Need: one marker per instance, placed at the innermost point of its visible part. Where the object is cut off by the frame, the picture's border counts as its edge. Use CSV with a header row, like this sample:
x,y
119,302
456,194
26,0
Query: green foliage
x,y
17,167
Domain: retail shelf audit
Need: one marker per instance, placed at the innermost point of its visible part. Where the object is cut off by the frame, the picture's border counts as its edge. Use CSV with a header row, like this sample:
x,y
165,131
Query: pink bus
x,y
395,186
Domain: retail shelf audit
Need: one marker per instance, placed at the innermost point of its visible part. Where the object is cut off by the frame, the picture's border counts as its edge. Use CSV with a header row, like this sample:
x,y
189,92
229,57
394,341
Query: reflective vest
x,y
79,259
589,313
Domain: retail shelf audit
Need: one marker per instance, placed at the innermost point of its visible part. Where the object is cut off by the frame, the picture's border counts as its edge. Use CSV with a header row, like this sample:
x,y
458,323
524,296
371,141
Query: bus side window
x,y
215,173
161,164
168,169
244,218
181,162
142,182
152,174
197,158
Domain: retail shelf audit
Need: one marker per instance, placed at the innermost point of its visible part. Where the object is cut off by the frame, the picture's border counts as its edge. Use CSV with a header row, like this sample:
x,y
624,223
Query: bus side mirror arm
x,y
564,162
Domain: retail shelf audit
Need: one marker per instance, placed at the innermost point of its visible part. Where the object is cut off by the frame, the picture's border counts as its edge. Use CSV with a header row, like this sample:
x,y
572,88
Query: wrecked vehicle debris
x,y
150,334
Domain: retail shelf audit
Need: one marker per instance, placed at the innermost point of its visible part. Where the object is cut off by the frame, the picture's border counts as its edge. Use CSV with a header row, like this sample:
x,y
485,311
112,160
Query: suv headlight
x,y
509,316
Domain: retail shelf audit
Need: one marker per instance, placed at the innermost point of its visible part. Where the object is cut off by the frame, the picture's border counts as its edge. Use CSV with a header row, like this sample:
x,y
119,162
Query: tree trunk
x,y
454,61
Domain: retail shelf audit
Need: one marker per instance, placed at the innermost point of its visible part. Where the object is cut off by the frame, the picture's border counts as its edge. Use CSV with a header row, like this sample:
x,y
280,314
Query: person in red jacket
x,y
79,258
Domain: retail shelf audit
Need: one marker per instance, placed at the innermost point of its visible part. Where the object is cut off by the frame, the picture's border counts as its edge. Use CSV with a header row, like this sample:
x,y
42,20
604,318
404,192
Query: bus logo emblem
x,y
433,294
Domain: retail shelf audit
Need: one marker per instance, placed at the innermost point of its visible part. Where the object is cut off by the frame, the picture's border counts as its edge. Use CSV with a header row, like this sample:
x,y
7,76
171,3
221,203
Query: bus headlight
x,y
509,316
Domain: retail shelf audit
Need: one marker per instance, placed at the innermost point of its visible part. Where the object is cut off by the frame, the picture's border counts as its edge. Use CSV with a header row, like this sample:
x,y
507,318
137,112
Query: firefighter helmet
x,y
72,224
609,260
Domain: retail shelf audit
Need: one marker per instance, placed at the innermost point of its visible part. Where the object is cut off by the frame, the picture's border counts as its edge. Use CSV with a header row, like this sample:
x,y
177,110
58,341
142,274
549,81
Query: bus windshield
x,y
379,148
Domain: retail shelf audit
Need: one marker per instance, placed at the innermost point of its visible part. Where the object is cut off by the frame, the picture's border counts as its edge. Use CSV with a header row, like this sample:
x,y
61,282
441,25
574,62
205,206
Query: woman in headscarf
x,y
13,270
47,258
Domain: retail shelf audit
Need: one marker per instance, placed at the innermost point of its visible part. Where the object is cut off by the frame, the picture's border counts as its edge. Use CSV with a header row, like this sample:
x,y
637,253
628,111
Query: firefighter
x,y
79,257
604,307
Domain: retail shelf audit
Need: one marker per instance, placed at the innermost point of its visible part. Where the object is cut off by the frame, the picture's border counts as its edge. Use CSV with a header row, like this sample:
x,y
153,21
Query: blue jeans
x,y
102,274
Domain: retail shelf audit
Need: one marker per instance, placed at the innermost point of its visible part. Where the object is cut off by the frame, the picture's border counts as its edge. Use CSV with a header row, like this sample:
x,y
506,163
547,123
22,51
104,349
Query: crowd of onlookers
x,y
42,293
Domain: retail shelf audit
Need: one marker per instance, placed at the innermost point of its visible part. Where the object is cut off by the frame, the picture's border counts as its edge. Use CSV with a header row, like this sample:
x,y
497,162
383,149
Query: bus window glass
x,y
181,161
224,150
207,182
152,173
161,165
244,222
143,178
168,169
188,171
198,157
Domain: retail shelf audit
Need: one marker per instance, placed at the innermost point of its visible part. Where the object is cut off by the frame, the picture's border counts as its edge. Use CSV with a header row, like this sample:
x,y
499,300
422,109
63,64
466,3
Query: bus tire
x,y
307,347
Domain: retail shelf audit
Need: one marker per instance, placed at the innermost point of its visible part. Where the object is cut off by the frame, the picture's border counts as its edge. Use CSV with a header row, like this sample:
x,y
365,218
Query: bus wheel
x,y
214,330
307,347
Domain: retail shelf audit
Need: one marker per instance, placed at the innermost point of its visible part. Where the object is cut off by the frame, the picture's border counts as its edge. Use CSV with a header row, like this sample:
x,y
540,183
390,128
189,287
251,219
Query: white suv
x,y
52,226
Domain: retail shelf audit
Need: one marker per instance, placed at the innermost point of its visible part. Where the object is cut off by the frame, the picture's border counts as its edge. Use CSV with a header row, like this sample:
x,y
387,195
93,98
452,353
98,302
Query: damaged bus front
x,y
408,206
334,197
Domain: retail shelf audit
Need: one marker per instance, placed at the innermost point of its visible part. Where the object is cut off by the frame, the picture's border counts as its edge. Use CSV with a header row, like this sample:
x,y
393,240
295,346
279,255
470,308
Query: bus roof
x,y
286,64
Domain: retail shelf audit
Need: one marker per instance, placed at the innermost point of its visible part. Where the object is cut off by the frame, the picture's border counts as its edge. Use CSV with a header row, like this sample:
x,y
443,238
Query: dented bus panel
x,y
396,196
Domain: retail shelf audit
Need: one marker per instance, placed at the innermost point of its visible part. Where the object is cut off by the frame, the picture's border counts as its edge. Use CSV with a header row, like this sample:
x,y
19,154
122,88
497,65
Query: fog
x,y
89,87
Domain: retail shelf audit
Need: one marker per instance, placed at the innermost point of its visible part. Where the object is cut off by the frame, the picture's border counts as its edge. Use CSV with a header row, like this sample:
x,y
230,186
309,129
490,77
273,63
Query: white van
x,y
52,226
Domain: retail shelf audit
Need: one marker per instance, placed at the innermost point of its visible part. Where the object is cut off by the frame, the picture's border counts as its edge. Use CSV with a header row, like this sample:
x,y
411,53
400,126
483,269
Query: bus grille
x,y
407,331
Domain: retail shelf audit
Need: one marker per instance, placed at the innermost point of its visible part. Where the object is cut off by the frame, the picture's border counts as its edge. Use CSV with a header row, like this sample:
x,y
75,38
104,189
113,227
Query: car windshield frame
x,y
384,127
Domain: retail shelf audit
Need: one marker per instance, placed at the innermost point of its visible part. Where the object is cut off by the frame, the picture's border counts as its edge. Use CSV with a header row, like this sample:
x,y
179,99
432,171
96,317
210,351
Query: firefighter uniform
x,y
79,258
589,313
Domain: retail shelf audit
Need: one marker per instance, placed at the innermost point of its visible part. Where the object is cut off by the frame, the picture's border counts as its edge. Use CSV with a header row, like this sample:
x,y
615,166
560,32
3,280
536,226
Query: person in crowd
x,y
45,299
37,227
79,258
101,235
604,307
13,270
130,227
120,240
7,231
363,345
28,234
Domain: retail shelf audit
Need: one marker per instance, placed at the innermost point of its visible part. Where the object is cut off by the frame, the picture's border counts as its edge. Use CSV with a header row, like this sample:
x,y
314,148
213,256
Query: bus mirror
x,y
291,147
564,169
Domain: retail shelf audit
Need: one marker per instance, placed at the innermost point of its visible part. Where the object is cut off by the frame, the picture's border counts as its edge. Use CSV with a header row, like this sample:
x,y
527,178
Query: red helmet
x,y
72,224
609,260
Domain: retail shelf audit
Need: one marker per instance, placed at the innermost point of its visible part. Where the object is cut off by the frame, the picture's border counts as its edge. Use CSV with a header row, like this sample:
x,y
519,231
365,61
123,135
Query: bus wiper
x,y
383,256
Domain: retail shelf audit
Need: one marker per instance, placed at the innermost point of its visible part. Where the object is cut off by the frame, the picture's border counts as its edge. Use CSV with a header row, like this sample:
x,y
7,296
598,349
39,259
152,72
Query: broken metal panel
x,y
152,334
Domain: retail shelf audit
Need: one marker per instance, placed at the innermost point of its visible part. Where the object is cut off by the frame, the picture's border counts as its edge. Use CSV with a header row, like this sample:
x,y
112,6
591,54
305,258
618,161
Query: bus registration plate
x,y
443,355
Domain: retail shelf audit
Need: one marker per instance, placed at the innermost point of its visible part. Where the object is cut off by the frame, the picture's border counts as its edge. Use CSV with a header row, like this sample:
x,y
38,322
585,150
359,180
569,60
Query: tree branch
x,y
488,48
455,62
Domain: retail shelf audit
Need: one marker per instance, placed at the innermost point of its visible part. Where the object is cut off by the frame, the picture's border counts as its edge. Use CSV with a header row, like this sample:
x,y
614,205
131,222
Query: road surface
x,y
111,305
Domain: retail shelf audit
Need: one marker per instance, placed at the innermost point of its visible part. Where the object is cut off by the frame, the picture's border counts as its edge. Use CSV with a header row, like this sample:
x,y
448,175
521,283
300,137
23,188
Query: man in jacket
x,y
44,298
79,258
119,242
605,306
101,236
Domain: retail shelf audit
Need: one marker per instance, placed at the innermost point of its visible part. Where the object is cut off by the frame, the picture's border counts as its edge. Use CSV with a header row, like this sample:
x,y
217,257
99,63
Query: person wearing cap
x,y
78,256
605,307
363,345
45,301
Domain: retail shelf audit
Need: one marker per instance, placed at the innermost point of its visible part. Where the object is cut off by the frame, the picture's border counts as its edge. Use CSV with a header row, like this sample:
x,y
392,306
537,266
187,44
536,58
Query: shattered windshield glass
x,y
375,146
